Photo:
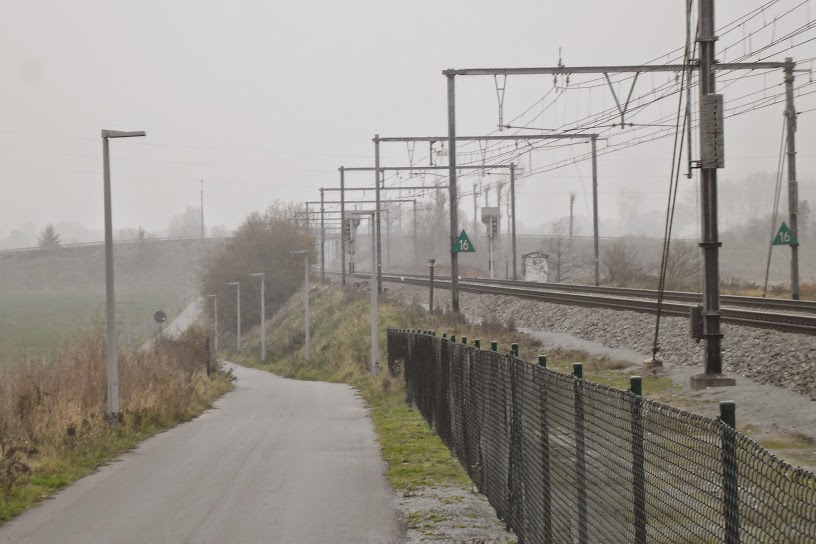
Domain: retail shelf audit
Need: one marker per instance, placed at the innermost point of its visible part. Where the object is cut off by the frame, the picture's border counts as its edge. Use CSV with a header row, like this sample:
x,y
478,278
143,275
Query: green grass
x,y
415,455
37,323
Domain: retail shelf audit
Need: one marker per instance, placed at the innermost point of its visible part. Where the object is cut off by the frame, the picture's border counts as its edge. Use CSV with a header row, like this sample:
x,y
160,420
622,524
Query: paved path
x,y
277,461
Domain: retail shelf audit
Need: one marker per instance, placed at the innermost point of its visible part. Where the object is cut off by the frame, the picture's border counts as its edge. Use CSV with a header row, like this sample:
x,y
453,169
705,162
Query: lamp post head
x,y
300,252
234,283
122,134
213,296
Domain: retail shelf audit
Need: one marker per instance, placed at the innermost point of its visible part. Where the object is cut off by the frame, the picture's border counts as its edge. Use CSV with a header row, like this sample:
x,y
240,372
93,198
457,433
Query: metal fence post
x,y
731,505
580,451
515,481
431,282
638,473
545,451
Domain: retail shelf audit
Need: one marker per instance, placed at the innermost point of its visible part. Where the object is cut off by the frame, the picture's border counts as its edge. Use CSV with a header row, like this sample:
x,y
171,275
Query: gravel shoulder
x,y
452,514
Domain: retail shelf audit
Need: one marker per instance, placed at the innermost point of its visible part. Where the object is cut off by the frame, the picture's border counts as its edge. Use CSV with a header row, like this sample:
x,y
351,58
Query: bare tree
x,y
563,258
682,267
263,243
621,263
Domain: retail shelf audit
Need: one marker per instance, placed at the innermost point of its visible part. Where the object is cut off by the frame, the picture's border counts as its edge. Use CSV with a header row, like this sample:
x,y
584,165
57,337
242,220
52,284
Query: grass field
x,y
34,324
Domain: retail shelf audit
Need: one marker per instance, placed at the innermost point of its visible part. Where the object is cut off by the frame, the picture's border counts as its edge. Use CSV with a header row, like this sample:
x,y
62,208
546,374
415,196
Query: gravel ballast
x,y
766,356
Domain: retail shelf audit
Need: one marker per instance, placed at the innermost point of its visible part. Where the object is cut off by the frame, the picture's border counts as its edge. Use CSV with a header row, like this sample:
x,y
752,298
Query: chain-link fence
x,y
563,459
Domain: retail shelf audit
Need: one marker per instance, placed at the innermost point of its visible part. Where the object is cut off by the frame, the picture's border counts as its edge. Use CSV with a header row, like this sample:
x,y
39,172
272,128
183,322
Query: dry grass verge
x,y
53,423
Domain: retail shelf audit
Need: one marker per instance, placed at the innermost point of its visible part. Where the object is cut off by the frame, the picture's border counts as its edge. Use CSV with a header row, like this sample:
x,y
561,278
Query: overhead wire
x,y
674,182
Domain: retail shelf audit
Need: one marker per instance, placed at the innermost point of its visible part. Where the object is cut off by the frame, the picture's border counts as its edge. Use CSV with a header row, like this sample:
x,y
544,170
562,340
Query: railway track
x,y
782,315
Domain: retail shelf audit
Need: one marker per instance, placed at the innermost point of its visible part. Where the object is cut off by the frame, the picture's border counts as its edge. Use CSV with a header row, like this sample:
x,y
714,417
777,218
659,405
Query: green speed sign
x,y
463,244
785,237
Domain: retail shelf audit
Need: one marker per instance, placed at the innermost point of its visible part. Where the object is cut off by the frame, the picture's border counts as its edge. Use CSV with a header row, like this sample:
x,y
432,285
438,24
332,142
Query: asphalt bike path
x,y
277,460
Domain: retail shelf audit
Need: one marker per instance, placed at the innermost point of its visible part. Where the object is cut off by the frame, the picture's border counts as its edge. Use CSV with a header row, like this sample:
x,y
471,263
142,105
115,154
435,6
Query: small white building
x,y
535,267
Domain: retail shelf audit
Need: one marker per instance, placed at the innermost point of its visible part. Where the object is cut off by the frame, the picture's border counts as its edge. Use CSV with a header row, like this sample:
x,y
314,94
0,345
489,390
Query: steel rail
x,y
787,305
637,300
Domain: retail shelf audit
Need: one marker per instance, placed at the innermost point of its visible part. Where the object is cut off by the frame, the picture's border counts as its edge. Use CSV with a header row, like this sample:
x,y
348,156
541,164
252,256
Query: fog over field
x,y
266,102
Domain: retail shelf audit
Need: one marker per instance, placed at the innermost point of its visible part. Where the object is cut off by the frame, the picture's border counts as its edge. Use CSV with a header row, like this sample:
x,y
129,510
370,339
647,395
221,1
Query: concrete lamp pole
x,y
375,341
237,285
305,299
215,322
110,297
263,314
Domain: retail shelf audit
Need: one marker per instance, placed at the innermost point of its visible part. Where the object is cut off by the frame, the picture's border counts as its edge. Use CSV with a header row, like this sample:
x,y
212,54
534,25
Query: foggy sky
x,y
265,100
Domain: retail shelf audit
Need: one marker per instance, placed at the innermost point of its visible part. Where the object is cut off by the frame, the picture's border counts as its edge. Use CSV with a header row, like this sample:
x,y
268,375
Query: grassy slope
x,y
340,353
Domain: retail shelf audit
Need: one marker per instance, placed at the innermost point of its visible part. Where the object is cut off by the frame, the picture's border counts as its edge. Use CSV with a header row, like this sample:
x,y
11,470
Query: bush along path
x,y
437,497
53,423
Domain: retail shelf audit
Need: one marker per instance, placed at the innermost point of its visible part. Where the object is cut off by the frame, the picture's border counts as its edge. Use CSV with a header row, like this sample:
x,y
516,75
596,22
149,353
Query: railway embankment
x,y
764,355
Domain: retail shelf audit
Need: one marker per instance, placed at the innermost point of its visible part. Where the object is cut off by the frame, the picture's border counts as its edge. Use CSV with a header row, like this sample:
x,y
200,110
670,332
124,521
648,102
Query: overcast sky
x,y
263,100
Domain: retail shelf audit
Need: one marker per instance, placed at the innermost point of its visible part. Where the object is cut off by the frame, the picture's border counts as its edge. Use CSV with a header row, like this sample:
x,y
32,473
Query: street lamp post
x,y
263,314
375,348
215,322
237,284
305,296
110,297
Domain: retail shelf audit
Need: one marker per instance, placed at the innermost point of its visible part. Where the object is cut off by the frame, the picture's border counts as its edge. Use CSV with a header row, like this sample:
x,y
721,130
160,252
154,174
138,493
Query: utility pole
x,y
595,210
416,252
322,238
499,187
711,158
513,213
475,210
454,198
377,175
388,239
342,226
203,235
308,219
572,203
793,184
375,348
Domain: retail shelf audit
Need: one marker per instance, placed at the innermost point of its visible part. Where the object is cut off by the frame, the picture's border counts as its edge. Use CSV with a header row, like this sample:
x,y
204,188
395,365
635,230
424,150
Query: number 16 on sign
x,y
463,244
785,237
